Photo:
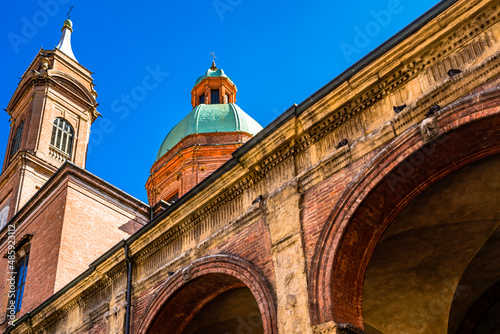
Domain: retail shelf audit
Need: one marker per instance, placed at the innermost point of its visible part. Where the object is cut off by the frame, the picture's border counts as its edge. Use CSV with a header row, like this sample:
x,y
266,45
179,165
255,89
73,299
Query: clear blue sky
x,y
277,52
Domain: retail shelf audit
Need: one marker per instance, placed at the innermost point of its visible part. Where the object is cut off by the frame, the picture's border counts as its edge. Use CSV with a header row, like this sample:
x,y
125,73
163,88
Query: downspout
x,y
128,259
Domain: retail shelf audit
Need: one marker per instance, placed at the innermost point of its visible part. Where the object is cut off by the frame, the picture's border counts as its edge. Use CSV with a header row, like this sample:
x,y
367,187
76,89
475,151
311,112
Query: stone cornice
x,y
21,158
64,174
470,78
298,134
361,97
71,63
332,163
258,164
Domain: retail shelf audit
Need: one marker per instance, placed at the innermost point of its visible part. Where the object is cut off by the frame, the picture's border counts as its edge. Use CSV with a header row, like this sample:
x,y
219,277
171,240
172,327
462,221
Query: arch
x,y
61,78
475,314
395,176
73,85
62,136
439,253
226,272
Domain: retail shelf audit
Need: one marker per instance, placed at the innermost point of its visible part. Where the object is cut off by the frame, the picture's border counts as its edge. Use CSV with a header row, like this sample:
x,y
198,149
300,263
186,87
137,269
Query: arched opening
x,y
234,311
214,294
213,303
433,266
393,179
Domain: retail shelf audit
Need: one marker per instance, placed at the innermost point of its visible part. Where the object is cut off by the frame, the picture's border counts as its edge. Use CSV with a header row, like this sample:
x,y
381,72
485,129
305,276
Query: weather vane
x,y
70,9
213,55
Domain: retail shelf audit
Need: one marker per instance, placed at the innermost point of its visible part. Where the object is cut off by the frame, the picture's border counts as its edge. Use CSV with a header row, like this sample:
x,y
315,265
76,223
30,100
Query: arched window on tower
x,y
62,136
16,142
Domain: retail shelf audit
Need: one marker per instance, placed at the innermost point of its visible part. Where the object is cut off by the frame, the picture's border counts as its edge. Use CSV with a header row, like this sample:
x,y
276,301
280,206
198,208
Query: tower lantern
x,y
214,87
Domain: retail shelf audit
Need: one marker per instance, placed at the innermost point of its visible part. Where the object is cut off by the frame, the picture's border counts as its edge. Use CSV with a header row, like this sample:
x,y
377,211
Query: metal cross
x,y
70,9
213,55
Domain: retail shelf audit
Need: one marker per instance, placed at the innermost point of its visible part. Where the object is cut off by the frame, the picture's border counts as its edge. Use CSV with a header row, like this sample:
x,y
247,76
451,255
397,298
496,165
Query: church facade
x,y
371,207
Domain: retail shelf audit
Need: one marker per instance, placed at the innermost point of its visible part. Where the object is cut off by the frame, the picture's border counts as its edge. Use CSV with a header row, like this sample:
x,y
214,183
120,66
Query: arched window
x,y
62,136
16,142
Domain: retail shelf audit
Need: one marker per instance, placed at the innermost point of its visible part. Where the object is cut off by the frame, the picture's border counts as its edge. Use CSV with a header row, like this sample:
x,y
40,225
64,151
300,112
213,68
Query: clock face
x,y
3,216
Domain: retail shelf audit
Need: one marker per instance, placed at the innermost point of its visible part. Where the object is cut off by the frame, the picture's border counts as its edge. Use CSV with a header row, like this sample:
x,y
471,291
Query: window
x,y
62,136
16,142
226,99
4,213
202,98
214,96
21,271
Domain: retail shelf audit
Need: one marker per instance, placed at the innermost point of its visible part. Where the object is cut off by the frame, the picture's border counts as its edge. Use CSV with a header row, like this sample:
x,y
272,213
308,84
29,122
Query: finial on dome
x,y
213,67
68,24
65,41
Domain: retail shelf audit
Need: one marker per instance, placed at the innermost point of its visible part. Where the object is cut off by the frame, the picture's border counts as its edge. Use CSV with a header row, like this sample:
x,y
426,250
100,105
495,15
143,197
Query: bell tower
x,y
51,112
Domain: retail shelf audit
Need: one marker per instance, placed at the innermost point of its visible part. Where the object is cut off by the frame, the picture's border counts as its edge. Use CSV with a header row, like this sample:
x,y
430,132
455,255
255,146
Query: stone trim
x,y
323,266
231,265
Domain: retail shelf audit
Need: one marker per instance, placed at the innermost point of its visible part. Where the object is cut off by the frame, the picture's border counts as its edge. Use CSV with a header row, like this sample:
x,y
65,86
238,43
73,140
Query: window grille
x,y
62,136
214,96
16,142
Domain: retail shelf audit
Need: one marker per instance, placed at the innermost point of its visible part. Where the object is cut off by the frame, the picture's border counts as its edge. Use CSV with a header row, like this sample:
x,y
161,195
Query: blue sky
x,y
277,52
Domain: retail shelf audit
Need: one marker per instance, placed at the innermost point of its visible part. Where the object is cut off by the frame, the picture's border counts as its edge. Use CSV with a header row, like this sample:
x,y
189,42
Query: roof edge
x,y
231,163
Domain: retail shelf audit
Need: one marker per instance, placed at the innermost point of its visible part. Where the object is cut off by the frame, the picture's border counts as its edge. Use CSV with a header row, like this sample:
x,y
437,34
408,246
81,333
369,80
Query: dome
x,y
209,118
68,23
213,72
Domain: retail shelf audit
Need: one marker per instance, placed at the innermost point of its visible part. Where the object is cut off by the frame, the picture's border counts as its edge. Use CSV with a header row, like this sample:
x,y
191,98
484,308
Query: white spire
x,y
65,42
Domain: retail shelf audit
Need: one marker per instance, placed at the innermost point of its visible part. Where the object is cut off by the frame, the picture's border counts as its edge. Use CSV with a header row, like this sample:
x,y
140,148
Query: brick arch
x,y
192,287
476,312
470,130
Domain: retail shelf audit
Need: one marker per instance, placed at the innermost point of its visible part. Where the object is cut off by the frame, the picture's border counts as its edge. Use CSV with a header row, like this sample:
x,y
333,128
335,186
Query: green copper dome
x,y
207,118
213,72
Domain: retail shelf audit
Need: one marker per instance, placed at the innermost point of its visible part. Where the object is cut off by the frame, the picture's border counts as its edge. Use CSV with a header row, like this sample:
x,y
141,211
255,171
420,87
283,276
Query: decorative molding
x,y
400,76
372,94
333,163
429,129
445,92
58,155
325,168
21,242
98,312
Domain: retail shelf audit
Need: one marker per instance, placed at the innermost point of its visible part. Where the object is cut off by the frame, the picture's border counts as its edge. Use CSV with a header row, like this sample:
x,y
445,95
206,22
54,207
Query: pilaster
x,y
283,217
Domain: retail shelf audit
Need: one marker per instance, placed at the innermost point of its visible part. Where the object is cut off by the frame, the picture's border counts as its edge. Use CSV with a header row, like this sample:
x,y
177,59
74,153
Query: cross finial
x,y
70,9
213,67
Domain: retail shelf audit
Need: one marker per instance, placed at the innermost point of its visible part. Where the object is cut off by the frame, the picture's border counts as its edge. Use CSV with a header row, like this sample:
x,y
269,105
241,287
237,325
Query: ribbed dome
x,y
212,72
207,118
